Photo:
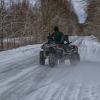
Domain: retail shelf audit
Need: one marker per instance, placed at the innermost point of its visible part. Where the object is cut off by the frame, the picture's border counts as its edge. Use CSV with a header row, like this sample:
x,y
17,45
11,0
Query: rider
x,y
57,35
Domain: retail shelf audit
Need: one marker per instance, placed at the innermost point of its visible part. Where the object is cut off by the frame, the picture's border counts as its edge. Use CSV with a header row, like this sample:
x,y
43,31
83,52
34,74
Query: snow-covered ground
x,y
22,78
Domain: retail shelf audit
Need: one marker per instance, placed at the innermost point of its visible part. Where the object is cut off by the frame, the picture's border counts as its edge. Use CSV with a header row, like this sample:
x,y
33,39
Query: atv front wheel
x,y
52,59
42,58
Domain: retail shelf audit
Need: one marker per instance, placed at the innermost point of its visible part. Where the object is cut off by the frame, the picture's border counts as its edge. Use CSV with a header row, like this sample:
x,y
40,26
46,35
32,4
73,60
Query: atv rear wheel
x,y
42,58
52,59
75,59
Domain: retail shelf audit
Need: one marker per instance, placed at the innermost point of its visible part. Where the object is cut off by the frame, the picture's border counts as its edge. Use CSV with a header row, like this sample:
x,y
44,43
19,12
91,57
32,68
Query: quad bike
x,y
59,51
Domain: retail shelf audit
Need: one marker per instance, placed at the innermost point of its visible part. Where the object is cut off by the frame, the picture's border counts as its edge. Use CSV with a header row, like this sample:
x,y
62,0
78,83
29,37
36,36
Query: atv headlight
x,y
65,42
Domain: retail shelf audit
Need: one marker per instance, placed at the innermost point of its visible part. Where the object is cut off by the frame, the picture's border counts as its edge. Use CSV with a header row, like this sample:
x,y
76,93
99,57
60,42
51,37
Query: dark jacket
x,y
57,36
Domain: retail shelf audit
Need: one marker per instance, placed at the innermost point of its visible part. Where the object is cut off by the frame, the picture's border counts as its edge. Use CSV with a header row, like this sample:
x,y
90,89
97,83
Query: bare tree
x,y
2,22
61,13
22,24
92,25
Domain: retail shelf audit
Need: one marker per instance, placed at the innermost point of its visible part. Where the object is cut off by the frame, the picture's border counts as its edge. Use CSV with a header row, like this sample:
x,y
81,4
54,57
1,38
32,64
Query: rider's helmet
x,y
56,28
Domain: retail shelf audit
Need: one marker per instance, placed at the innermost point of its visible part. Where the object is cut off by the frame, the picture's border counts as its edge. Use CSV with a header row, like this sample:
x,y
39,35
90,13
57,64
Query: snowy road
x,y
25,79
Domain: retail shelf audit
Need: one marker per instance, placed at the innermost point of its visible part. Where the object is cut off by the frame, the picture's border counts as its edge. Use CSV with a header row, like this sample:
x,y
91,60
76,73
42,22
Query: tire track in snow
x,y
25,84
15,67
45,83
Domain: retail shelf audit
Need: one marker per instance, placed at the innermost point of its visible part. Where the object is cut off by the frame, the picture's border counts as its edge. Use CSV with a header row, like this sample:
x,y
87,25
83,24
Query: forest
x,y
23,23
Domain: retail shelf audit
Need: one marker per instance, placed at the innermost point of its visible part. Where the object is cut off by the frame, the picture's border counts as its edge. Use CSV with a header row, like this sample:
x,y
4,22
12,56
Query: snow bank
x,y
19,53
89,48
